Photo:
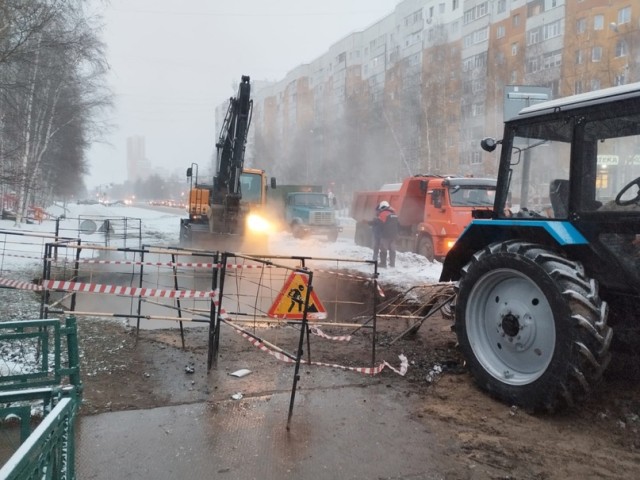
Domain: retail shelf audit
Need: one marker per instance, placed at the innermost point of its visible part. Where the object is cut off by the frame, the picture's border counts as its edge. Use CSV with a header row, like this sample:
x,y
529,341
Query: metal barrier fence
x,y
39,373
289,291
27,245
122,232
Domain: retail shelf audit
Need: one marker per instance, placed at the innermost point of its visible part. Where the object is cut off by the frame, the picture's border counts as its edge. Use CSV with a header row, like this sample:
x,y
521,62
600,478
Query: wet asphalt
x,y
343,426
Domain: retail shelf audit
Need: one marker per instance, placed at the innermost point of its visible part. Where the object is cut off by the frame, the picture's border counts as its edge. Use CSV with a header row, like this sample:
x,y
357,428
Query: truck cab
x,y
311,213
432,210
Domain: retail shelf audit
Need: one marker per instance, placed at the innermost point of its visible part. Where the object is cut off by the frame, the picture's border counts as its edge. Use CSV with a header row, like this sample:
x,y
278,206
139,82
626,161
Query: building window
x,y
477,109
514,49
577,88
514,76
502,6
579,57
622,50
552,59
595,84
534,36
624,15
441,8
500,31
598,22
596,54
476,158
480,60
455,4
553,30
515,20
619,80
533,65
581,25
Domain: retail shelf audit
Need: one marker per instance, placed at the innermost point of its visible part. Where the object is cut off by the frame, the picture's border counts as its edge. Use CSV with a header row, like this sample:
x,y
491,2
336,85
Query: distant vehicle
x,y
432,211
305,210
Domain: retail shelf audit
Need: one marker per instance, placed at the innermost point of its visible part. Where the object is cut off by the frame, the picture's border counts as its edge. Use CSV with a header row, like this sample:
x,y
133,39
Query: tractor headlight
x,y
258,224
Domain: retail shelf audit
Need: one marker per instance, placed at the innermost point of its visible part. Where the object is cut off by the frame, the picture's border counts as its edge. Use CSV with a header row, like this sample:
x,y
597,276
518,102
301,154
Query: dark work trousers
x,y
381,246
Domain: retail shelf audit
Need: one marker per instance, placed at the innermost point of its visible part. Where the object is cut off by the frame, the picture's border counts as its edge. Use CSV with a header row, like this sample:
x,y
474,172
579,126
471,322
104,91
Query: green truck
x,y
305,210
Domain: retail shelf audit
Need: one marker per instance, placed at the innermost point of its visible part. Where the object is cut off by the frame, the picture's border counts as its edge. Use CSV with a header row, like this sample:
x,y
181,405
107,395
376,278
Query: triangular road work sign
x,y
289,303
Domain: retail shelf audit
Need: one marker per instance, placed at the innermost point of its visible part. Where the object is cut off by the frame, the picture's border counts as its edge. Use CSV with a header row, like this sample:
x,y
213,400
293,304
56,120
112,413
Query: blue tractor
x,y
545,278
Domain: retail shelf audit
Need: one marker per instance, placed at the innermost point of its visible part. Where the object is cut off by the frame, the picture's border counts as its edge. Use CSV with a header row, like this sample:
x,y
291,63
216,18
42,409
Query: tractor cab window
x,y
616,147
539,160
251,187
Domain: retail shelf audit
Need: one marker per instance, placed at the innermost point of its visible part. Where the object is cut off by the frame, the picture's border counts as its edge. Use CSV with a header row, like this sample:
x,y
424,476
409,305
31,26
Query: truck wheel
x,y
425,248
297,231
531,326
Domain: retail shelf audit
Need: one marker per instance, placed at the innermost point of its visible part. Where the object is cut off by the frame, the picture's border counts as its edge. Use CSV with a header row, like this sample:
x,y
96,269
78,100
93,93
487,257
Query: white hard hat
x,y
383,204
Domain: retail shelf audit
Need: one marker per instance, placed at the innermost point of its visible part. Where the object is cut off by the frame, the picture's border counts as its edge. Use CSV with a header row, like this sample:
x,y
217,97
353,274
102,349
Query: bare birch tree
x,y
51,89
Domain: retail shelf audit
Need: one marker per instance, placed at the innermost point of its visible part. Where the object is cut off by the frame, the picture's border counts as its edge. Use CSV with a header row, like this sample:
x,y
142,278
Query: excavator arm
x,y
231,147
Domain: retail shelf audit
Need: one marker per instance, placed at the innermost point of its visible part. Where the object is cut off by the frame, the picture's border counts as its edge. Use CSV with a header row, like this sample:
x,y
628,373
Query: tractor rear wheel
x,y
531,326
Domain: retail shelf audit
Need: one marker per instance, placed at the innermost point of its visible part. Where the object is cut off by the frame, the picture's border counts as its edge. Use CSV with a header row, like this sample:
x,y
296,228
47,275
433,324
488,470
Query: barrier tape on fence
x,y
404,363
108,289
21,256
319,333
159,264
202,265
5,282
136,263
125,291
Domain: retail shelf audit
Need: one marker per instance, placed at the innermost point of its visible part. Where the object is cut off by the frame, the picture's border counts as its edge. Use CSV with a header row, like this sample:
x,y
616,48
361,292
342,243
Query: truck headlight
x,y
258,224
449,243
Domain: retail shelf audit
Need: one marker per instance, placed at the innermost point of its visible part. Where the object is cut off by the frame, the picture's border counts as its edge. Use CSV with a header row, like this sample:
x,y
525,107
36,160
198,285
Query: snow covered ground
x,y
20,253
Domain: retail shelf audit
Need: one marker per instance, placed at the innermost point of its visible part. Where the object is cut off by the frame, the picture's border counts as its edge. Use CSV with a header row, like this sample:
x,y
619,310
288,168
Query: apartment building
x,y
417,91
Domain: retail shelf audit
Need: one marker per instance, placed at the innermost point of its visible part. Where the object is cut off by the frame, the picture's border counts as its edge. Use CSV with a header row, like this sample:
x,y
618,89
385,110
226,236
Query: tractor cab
x,y
543,283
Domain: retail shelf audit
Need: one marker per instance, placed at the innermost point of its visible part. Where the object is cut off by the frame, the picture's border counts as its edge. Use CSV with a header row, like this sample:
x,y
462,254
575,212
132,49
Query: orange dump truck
x,y
432,211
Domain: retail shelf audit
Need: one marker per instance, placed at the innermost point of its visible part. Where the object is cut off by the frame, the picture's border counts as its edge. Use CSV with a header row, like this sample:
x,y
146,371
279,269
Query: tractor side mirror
x,y
189,172
489,144
273,182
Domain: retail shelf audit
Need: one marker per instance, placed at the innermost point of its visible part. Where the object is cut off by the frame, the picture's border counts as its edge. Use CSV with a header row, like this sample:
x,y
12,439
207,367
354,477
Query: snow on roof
x,y
584,99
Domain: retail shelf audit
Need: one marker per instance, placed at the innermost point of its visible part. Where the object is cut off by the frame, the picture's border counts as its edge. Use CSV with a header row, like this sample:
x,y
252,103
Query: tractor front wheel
x,y
531,326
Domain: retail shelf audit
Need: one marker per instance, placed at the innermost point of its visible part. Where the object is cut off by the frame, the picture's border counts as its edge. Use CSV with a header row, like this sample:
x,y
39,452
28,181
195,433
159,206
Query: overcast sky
x,y
173,61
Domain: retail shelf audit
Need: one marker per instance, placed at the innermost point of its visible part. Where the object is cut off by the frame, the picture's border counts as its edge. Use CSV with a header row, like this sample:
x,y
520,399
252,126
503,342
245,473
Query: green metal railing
x,y
39,370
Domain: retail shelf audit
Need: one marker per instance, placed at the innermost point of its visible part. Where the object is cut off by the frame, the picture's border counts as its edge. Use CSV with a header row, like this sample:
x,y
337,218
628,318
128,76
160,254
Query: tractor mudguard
x,y
481,233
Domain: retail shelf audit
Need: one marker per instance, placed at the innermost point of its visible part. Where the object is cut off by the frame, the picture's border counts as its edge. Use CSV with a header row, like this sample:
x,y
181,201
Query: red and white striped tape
x,y
108,289
158,264
5,282
125,291
319,333
229,266
21,256
402,370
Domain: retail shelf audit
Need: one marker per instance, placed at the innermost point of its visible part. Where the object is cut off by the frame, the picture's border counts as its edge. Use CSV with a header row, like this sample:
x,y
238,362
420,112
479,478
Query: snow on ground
x,y
161,228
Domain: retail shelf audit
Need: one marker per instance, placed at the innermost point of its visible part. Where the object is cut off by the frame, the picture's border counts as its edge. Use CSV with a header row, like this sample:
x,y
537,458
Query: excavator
x,y
229,214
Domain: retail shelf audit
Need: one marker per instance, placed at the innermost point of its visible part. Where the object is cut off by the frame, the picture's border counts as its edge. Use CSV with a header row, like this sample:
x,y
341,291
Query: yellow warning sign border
x,y
320,314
